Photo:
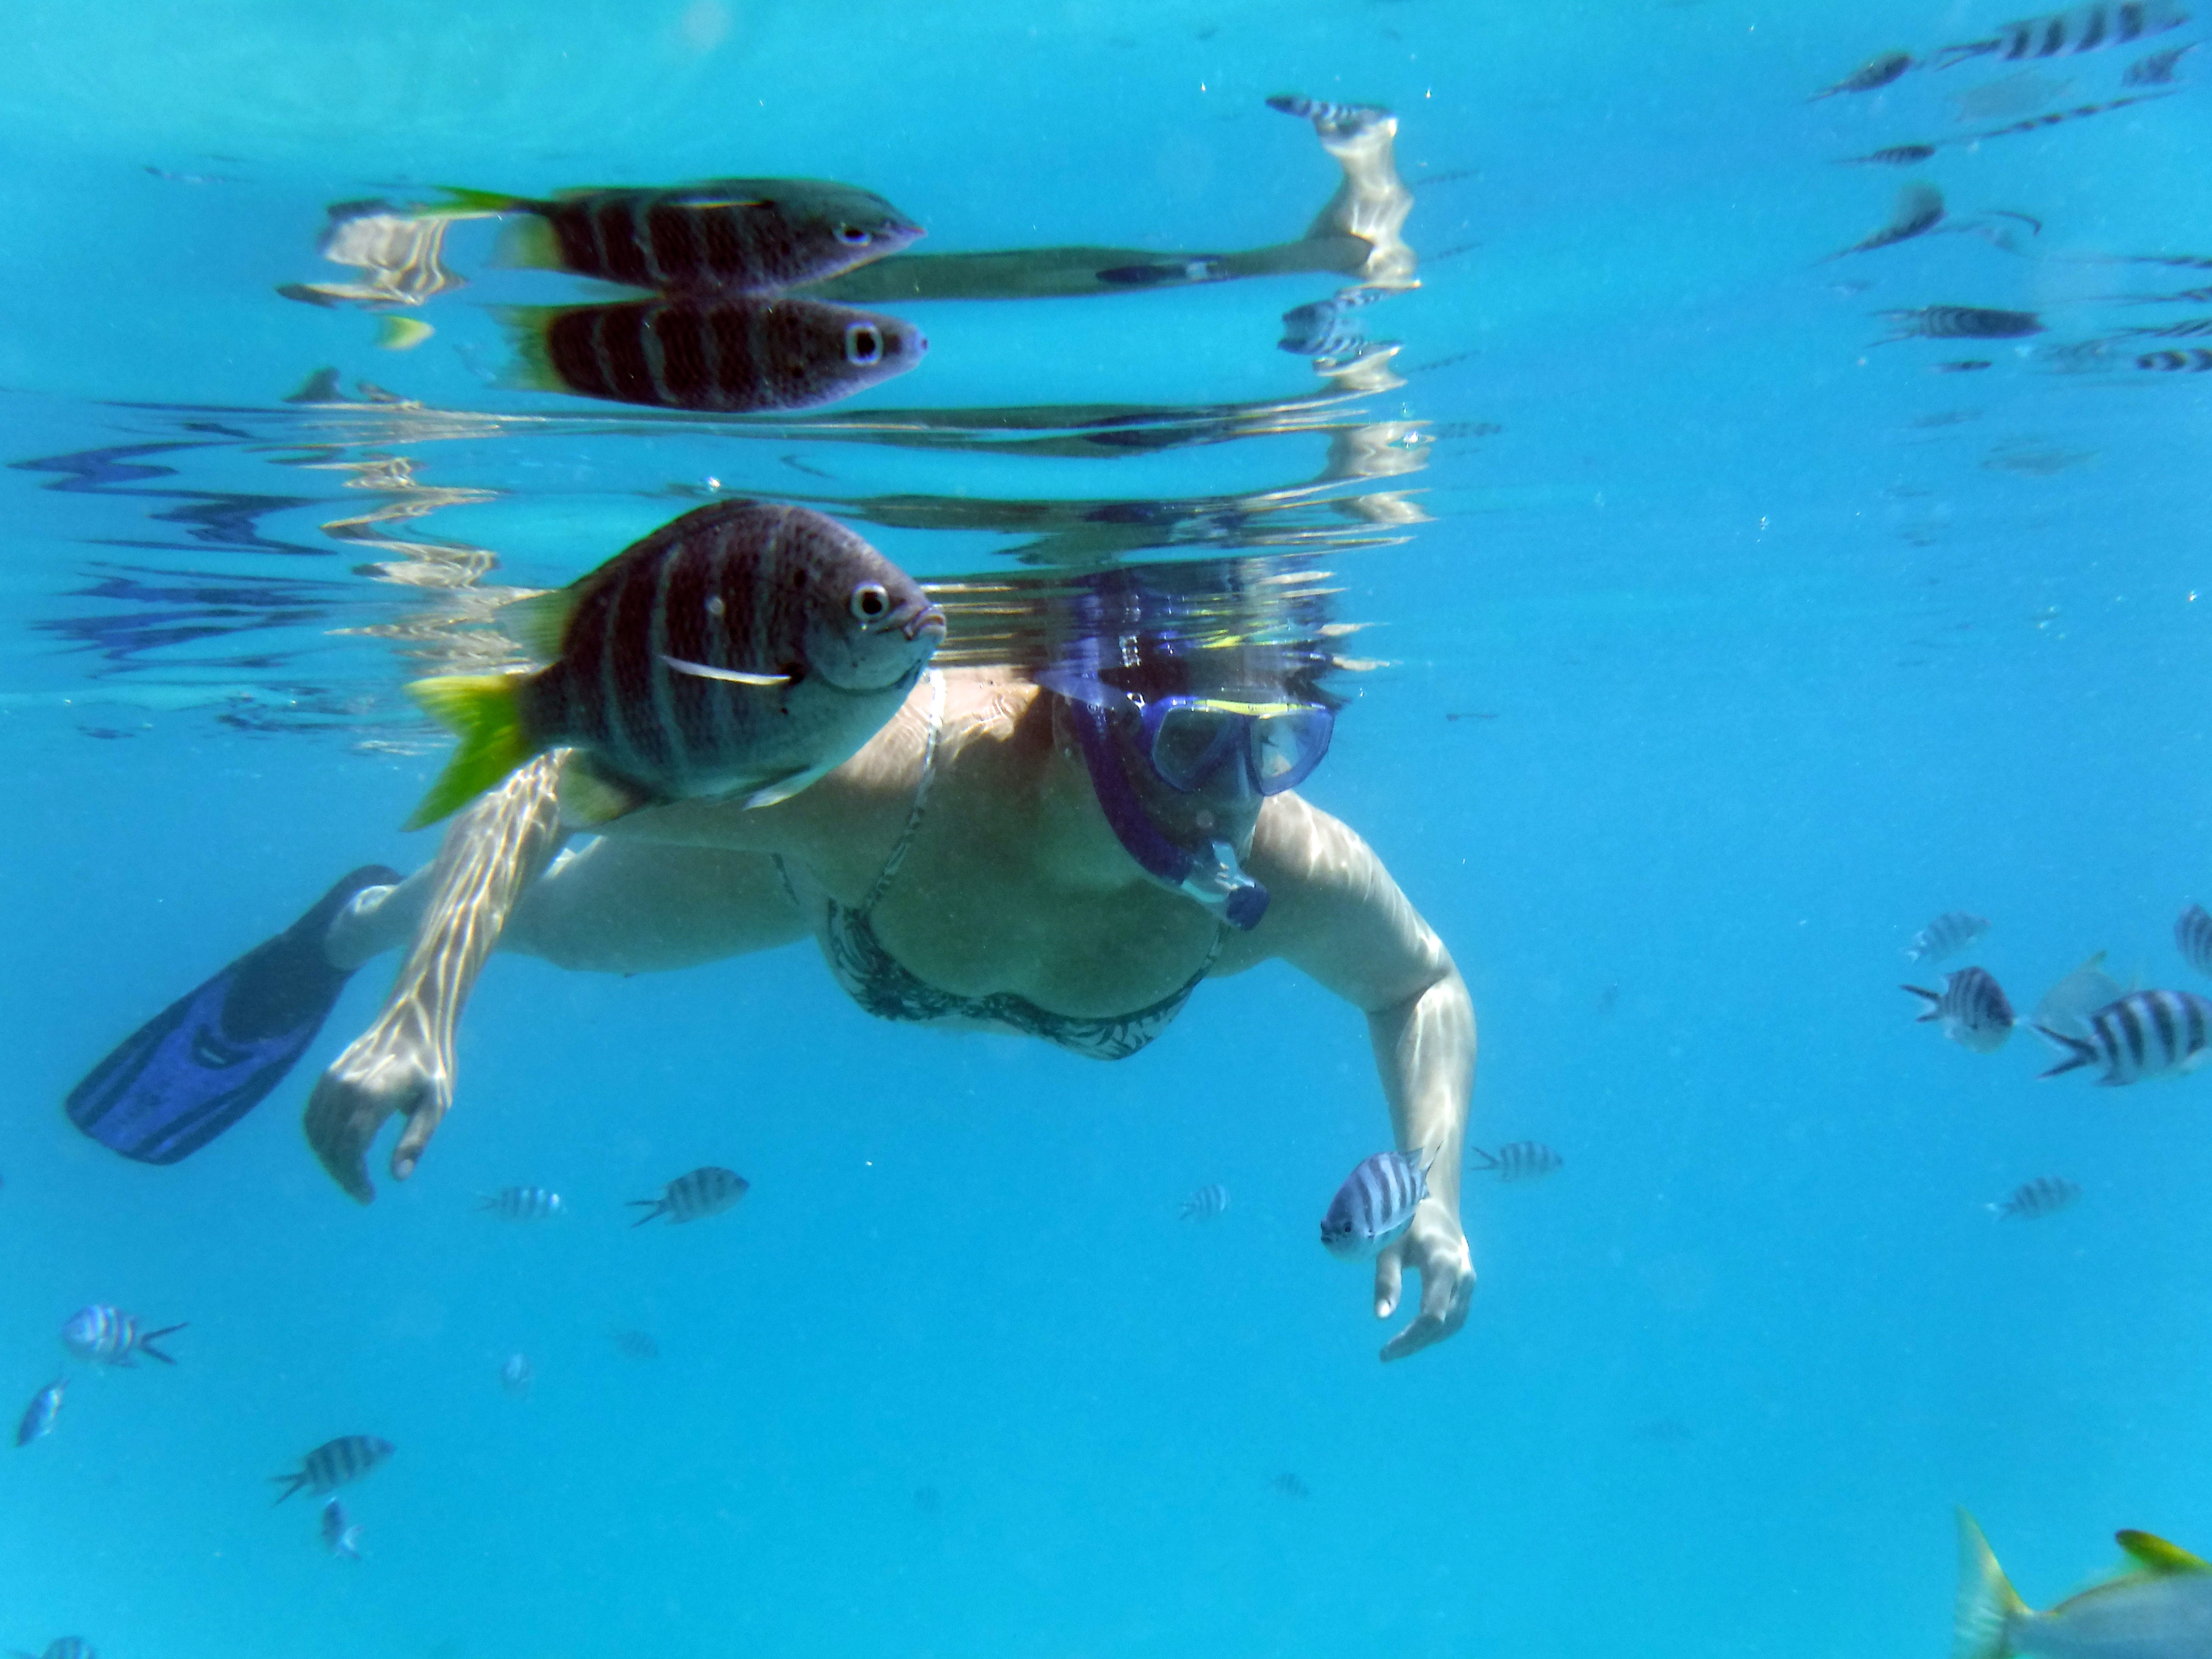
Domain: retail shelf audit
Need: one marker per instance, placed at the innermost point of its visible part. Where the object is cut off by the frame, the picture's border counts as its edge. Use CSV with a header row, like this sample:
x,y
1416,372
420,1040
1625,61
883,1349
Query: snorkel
x,y
1213,877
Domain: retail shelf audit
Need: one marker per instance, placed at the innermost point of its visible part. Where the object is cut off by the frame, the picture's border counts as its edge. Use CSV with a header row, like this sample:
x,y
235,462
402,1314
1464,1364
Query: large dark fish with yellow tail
x,y
723,237
730,356
738,653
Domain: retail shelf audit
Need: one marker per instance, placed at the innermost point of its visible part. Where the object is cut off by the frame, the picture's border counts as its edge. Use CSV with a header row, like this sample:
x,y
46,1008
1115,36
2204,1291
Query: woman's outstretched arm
x,y
1336,914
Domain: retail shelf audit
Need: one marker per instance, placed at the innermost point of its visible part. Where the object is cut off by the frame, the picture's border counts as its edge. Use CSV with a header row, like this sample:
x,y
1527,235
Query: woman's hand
x,y
1435,1248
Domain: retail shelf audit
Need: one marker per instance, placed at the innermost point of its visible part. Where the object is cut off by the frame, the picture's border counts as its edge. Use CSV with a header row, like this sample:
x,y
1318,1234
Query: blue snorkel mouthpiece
x,y
1213,877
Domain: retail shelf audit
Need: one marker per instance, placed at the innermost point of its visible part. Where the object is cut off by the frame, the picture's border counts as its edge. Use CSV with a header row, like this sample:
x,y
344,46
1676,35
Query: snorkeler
x,y
1064,850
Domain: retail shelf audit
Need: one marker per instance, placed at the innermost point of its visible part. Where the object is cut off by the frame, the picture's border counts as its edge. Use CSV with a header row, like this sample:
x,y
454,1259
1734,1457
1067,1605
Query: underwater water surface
x,y
1738,567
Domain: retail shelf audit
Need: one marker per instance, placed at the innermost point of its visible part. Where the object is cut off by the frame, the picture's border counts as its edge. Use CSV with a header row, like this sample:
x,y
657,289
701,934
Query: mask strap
x,y
1215,881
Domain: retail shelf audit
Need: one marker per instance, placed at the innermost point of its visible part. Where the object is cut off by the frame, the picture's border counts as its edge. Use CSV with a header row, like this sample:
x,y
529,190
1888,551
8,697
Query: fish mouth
x,y
928,619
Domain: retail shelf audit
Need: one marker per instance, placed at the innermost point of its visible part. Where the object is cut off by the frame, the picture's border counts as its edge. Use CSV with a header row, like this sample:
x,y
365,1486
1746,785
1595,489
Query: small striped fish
x,y
521,1203
738,651
515,1375
2033,1199
39,1416
2088,27
726,236
1972,1008
2145,1035
1961,323
1521,1160
2187,328
1206,1204
1919,210
64,1647
1375,1204
1877,71
731,357
2194,361
1897,155
1308,329
1949,934
1331,120
706,1191
633,1344
2192,937
2156,69
109,1336
333,1464
340,1540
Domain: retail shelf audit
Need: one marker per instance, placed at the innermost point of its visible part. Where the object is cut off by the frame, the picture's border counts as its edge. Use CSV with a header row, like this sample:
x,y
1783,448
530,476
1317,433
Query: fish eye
x,y
855,235
864,344
870,602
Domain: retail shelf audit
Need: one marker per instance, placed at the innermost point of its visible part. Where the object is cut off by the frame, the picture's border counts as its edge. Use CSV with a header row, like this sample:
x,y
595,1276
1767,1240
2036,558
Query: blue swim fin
x,y
210,1057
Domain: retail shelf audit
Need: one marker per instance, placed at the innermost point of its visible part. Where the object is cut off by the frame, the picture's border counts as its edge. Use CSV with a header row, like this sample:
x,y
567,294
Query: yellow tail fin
x,y
1982,1619
484,709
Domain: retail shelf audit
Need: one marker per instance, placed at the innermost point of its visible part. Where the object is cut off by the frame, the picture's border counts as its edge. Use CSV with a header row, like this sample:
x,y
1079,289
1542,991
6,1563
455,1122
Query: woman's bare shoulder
x,y
850,808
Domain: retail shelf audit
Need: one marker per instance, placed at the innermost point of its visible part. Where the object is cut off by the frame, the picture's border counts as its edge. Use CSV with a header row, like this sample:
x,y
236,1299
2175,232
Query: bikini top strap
x,y
921,795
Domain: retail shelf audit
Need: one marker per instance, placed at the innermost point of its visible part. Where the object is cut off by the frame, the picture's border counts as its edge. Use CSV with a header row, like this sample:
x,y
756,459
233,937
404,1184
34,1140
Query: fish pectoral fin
x,y
734,675
589,797
780,789
2154,1554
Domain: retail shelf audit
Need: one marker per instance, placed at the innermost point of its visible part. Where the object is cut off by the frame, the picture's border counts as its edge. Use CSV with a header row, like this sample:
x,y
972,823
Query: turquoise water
x,y
1719,648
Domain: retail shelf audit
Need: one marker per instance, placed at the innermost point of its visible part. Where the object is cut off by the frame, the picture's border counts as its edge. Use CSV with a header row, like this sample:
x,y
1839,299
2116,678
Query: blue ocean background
x,y
1734,647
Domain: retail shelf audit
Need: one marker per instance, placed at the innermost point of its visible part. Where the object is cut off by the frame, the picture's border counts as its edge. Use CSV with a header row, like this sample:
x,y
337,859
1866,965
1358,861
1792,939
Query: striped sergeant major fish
x,y
2037,122
2193,362
2145,1035
1308,329
1877,71
338,1538
738,651
2089,28
1919,210
521,1203
38,1420
724,237
633,1344
333,1464
1961,323
2160,1608
728,357
109,1336
1520,1160
1375,1204
707,1190
2032,1201
2156,69
1949,934
62,1647
2187,328
1971,1007
1206,1204
1331,120
1897,155
2192,937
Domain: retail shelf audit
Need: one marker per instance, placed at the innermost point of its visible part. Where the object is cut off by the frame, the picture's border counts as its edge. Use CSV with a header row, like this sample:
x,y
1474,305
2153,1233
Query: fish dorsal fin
x,y
538,624
2154,1554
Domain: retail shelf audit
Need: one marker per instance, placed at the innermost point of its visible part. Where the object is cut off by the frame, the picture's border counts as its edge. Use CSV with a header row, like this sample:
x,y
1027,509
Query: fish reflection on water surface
x,y
736,357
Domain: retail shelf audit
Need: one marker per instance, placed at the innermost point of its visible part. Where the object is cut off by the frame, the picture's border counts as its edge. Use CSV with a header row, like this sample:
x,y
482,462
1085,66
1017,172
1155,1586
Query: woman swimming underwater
x,y
1064,850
